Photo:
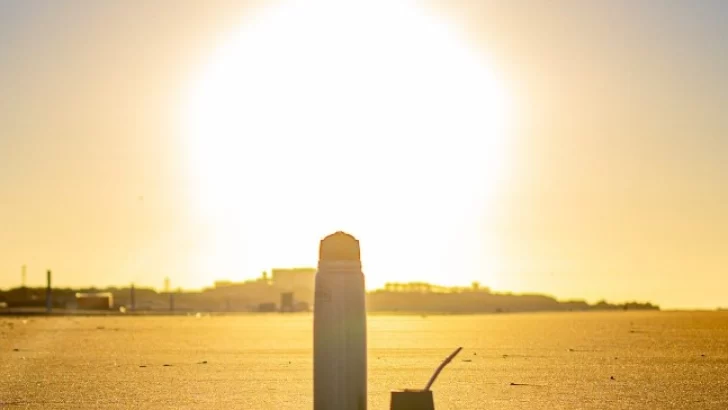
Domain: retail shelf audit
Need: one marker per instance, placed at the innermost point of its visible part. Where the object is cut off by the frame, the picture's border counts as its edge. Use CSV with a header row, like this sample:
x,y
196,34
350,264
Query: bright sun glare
x,y
376,118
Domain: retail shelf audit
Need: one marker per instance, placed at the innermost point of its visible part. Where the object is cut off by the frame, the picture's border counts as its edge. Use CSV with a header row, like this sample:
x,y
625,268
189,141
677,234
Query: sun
x,y
376,118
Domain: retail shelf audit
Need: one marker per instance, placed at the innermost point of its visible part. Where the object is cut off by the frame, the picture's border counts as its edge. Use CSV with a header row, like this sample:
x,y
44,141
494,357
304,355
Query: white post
x,y
339,327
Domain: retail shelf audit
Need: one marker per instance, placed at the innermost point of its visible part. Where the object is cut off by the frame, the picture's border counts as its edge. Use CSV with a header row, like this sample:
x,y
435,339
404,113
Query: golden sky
x,y
573,148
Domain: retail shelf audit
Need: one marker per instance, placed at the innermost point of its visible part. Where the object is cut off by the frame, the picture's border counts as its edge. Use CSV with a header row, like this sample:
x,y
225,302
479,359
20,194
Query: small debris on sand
x,y
612,378
16,350
518,384
505,356
167,365
205,362
142,365
467,360
702,355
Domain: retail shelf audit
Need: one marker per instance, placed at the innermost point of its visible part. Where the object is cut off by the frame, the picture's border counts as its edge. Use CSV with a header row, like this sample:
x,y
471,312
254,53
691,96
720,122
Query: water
x,y
610,360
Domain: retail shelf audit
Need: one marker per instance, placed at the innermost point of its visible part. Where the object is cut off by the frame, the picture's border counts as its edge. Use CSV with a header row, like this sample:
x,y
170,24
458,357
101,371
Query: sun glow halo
x,y
377,119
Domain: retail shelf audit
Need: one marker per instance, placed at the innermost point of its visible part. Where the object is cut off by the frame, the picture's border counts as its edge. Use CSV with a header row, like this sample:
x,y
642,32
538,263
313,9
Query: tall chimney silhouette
x,y
132,297
49,292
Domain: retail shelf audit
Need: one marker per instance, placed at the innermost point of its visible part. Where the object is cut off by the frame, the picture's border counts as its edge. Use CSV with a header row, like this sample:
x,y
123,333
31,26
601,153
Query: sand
x,y
596,360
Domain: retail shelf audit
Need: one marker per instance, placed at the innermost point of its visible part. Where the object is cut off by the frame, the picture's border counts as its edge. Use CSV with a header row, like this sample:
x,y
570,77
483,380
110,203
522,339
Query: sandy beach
x,y
599,360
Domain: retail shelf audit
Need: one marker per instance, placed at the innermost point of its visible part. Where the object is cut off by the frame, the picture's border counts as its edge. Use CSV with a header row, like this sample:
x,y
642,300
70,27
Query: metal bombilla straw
x,y
414,399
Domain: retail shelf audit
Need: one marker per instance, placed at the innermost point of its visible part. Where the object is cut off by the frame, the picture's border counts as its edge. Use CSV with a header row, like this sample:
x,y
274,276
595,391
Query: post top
x,y
339,246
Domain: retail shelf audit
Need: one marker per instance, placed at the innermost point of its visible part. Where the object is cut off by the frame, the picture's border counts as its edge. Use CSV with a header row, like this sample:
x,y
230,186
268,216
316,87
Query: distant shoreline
x,y
115,313
278,295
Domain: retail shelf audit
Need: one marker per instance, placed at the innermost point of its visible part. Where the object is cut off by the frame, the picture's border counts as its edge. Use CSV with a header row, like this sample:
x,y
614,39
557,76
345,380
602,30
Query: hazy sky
x,y
614,183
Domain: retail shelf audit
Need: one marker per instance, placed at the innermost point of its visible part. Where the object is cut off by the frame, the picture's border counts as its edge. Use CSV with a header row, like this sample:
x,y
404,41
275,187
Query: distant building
x,y
287,304
223,283
95,301
288,280
422,287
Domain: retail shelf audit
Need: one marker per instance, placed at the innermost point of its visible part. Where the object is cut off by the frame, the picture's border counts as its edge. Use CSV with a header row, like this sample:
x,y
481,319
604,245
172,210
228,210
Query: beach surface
x,y
594,360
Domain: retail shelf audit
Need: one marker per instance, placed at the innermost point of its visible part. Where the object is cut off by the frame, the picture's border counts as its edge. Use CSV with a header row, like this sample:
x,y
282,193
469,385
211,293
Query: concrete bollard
x,y
339,327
